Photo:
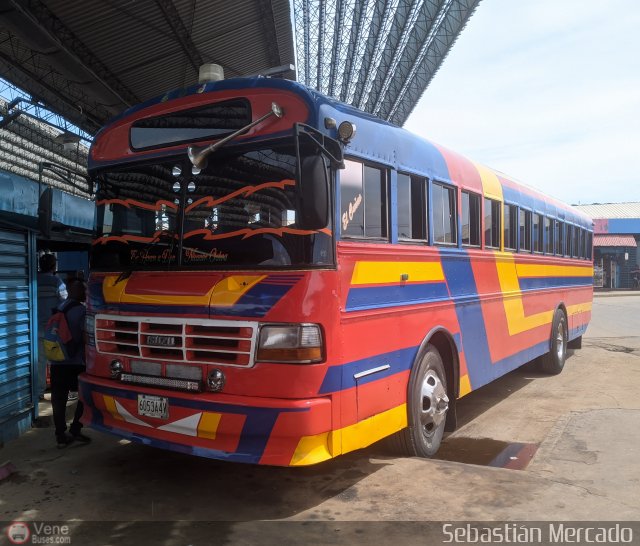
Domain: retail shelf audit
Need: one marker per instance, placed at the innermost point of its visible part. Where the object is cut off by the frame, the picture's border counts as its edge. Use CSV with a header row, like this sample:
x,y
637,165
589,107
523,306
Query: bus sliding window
x,y
510,227
491,223
525,230
412,210
470,219
363,194
444,214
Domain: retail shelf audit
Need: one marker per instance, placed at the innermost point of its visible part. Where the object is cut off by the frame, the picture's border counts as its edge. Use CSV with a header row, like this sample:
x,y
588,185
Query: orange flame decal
x,y
246,192
138,204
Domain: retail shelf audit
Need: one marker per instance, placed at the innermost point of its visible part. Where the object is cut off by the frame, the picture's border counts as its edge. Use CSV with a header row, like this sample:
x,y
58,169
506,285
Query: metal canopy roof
x,y
89,60
378,55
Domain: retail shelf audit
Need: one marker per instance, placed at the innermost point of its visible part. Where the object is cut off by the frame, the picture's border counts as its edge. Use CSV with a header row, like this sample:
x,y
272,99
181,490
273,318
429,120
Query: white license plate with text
x,y
153,406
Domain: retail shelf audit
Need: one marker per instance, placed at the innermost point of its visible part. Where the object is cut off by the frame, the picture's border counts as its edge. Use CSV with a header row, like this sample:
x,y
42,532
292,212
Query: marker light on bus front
x,y
290,343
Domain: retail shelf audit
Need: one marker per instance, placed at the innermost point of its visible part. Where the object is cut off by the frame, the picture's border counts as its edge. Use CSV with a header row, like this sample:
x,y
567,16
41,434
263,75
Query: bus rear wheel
x,y
427,406
553,362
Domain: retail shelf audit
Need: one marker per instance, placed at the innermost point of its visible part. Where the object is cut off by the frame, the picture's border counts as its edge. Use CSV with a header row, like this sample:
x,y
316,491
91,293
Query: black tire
x,y
553,362
427,406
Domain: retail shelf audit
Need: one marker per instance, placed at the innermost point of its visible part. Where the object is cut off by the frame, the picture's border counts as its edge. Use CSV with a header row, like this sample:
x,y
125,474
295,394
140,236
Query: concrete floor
x,y
581,431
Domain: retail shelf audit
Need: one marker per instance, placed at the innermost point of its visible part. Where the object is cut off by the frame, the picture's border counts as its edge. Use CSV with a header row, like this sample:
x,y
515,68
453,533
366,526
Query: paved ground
x,y
579,433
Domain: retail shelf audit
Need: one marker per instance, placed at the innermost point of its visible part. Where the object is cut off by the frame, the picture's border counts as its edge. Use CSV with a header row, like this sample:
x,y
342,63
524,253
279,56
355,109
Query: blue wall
x,y
624,226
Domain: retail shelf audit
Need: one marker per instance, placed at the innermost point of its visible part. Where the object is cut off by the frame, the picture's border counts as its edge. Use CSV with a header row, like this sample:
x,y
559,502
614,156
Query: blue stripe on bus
x,y
375,297
259,300
462,284
255,303
341,377
510,363
235,457
535,283
255,434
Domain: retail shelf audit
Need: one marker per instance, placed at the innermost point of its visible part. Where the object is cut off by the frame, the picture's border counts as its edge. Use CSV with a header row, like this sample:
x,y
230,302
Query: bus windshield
x,y
239,211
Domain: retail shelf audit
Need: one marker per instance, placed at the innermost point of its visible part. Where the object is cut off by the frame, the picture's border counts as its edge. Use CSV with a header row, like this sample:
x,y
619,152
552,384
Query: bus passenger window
x,y
581,253
491,223
537,233
525,230
589,245
363,194
375,202
559,238
575,247
548,235
510,227
444,214
412,208
569,248
470,219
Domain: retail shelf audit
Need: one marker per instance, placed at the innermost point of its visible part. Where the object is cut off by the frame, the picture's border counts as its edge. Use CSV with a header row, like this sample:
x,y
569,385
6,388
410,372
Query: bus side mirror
x,y
313,195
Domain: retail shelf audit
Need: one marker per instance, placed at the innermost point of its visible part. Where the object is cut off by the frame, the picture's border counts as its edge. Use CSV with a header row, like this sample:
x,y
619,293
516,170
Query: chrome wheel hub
x,y
435,403
560,343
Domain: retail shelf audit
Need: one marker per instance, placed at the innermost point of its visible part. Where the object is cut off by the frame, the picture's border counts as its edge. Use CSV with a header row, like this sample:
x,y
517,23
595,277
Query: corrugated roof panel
x,y
611,210
106,51
614,240
132,48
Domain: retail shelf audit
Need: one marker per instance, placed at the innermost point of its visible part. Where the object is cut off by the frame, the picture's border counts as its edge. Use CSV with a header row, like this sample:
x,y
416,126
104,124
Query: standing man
x,y
51,293
64,374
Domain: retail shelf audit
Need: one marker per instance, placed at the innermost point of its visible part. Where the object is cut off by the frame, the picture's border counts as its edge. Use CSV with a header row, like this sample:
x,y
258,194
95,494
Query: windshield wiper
x,y
198,156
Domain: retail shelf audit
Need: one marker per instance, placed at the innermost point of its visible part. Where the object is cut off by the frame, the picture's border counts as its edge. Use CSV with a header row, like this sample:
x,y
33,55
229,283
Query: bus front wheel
x,y
427,406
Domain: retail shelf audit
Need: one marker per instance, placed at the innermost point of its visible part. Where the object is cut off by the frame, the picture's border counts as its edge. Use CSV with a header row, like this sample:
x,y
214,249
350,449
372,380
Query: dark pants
x,y
64,378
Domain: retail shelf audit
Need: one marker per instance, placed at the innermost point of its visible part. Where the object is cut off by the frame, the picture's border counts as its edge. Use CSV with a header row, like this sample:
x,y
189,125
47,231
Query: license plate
x,y
153,406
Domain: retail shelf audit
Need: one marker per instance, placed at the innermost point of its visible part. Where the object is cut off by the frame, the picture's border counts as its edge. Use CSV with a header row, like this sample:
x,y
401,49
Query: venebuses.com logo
x,y
22,532
18,532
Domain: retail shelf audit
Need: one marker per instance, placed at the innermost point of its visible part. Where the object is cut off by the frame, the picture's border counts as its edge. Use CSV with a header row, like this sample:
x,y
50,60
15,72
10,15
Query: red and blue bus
x,y
279,278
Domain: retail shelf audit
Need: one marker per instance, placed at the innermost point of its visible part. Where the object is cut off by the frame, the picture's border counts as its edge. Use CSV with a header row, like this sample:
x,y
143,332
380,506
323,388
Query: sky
x,y
546,91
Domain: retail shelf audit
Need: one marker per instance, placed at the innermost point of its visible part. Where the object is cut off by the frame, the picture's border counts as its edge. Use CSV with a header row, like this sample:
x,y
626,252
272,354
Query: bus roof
x,y
381,142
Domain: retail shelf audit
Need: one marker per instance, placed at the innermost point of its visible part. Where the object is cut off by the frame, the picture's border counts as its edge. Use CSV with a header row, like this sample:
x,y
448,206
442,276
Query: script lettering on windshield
x,y
147,257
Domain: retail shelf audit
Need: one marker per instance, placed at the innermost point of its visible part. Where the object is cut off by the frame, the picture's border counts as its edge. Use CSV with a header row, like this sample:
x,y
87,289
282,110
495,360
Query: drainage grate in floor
x,y
487,452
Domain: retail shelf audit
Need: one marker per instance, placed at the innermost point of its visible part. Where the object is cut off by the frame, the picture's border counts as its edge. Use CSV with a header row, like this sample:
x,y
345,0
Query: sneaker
x,y
64,440
72,396
79,437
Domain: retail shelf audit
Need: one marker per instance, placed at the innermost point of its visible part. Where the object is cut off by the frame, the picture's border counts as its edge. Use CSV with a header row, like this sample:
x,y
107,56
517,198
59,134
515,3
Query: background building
x,y
615,242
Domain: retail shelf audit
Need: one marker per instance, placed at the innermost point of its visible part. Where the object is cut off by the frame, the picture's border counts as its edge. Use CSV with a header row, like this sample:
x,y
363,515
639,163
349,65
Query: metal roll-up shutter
x,y
16,344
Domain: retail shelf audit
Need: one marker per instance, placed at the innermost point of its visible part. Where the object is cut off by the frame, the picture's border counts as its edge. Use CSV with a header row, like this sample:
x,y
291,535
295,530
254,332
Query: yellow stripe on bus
x,y
320,447
392,272
579,308
110,404
230,289
492,188
208,425
465,386
225,293
517,321
543,270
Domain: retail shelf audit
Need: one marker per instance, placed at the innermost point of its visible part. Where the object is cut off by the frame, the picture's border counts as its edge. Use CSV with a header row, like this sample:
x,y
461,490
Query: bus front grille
x,y
197,341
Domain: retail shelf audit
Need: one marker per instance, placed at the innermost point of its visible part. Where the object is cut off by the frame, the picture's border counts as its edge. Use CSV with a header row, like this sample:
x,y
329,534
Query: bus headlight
x,y
291,343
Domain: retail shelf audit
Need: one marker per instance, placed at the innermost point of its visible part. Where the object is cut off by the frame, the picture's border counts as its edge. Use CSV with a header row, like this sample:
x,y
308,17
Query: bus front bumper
x,y
254,430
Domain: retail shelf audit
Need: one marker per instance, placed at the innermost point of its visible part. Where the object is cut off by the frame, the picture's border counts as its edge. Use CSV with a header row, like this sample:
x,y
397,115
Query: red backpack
x,y
57,335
